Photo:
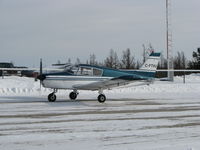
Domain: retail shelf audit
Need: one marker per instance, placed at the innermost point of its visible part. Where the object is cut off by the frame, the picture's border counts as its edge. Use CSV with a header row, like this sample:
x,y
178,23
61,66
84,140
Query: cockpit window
x,y
84,71
87,71
97,72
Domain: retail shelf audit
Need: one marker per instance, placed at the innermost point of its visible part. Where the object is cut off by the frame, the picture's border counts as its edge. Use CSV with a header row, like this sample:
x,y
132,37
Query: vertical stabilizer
x,y
151,63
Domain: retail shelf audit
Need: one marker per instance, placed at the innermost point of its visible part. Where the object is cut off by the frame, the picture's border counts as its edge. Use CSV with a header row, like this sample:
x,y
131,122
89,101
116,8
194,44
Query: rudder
x,y
151,63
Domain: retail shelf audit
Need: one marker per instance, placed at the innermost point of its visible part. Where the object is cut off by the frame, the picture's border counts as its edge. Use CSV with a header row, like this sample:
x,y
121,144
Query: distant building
x,y
7,65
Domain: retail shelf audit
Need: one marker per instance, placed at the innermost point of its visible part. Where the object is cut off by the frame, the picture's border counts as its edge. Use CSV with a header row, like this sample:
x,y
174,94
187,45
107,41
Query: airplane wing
x,y
110,83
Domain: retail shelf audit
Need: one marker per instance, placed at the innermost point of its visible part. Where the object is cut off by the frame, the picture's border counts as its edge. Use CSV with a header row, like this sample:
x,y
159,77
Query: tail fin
x,y
151,63
148,69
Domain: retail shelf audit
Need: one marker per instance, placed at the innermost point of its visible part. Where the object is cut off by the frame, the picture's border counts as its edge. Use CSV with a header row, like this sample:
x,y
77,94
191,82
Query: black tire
x,y
73,95
52,97
101,98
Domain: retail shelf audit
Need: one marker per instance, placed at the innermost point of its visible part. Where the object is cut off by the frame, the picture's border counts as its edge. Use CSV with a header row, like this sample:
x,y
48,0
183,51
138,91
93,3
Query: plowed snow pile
x,y
20,86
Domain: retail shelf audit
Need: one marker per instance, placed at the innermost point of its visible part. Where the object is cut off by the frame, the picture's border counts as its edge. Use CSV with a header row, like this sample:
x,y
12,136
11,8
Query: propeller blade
x,y
41,76
40,72
40,66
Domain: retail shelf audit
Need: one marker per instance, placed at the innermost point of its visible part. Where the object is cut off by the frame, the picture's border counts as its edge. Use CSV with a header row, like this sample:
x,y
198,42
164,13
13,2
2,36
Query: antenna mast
x,y
169,41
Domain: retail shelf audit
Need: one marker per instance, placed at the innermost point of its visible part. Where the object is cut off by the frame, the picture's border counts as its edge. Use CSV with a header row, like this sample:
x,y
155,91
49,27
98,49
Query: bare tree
x,y
69,60
180,61
112,60
138,64
144,53
93,59
58,62
77,61
150,49
183,60
127,61
177,61
163,62
147,51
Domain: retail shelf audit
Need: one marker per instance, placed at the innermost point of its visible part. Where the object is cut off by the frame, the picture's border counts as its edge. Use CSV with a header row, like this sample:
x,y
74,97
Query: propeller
x,y
40,66
40,71
41,76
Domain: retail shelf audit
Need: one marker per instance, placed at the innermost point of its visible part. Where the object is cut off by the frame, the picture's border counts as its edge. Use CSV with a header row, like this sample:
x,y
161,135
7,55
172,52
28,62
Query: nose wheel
x,y
52,96
101,98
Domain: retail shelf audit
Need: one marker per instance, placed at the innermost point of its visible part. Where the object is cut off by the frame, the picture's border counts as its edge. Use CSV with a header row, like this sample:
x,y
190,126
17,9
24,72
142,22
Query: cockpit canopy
x,y
89,71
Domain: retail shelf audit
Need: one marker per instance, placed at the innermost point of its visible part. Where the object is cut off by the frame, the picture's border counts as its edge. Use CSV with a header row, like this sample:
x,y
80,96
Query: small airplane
x,y
97,78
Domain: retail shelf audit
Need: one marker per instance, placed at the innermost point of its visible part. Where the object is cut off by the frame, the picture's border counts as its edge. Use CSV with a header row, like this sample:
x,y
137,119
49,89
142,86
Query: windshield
x,y
89,71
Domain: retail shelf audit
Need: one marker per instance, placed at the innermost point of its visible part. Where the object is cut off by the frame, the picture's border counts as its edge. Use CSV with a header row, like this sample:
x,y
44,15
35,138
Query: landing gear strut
x,y
101,98
52,96
73,95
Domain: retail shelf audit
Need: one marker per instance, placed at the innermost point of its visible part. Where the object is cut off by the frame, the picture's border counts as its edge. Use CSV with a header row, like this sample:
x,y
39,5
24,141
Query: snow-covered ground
x,y
22,86
161,116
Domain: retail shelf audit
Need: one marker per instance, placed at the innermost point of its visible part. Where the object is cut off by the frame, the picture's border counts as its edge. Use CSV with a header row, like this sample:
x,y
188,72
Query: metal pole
x,y
167,33
169,41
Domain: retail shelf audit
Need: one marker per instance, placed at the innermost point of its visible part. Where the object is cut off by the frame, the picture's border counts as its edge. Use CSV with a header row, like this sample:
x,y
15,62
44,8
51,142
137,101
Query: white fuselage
x,y
70,82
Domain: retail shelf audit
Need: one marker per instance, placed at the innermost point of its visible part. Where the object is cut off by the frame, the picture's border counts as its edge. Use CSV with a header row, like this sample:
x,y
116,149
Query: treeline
x,y
180,62
126,60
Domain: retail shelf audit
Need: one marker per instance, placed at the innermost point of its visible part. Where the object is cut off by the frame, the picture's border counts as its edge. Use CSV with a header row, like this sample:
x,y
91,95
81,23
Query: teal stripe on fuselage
x,y
134,74
114,73
143,73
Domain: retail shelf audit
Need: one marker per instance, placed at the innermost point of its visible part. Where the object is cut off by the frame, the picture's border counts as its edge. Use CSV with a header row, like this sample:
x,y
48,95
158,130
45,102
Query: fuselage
x,y
87,74
69,81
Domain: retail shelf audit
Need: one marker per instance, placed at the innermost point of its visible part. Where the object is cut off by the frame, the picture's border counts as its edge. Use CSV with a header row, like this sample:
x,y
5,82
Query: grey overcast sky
x,y
61,29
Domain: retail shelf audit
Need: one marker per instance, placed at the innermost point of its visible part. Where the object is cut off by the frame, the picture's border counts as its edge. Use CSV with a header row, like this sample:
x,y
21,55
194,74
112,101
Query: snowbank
x,y
13,85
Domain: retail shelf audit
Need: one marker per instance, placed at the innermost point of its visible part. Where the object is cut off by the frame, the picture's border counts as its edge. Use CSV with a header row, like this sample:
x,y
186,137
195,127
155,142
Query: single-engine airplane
x,y
96,78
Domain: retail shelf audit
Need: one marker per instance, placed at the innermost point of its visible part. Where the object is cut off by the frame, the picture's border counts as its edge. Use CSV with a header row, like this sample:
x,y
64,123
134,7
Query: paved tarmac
x,y
34,123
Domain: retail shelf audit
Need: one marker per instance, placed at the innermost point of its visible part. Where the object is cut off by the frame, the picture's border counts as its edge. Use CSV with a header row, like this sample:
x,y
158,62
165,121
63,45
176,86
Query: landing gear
x,y
73,95
101,98
52,96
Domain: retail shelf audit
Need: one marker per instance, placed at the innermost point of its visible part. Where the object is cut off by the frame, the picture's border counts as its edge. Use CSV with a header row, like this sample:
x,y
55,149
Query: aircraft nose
x,y
41,77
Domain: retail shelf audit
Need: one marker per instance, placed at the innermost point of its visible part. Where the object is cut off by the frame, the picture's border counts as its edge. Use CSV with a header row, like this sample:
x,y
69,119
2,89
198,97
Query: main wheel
x,y
101,98
73,95
52,97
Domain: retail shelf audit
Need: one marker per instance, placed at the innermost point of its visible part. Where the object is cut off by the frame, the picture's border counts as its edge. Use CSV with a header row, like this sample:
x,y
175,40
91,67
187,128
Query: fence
x,y
177,72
